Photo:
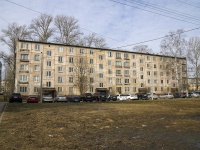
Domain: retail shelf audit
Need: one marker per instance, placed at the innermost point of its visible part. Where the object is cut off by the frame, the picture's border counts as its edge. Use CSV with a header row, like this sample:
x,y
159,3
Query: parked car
x,y
86,97
61,98
133,97
32,99
15,97
166,96
152,96
74,98
122,97
142,96
112,97
47,98
193,94
100,96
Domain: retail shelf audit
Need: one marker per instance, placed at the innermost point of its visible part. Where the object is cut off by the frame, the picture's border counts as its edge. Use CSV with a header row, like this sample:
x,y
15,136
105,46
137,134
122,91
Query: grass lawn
x,y
154,125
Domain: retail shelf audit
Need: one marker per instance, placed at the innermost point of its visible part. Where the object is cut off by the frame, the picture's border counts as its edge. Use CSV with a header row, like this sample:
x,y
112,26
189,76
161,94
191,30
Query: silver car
x,y
47,98
61,98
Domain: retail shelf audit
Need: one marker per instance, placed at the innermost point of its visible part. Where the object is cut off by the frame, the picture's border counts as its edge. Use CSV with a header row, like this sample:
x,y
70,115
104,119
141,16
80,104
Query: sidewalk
x,y
2,104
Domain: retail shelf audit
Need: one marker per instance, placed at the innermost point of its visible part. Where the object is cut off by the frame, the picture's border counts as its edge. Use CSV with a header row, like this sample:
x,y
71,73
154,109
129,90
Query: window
x,y
126,72
142,85
161,81
161,59
24,46
91,80
91,89
126,81
126,55
23,67
71,80
100,66
24,78
118,55
110,80
60,59
168,82
118,81
155,73
36,68
134,80
59,79
109,71
48,84
134,89
118,63
109,62
109,54
71,89
100,57
81,51
148,66
148,57
91,52
48,73
134,65
134,57
71,59
101,75
118,72
60,69
59,89
23,89
60,49
141,77
36,89
36,78
126,64
91,61
48,63
71,50
148,73
141,69
127,89
141,61
37,47
154,58
71,69
134,72
100,84
48,53
155,81
155,66
81,60
91,70
149,81
161,73
24,56
37,57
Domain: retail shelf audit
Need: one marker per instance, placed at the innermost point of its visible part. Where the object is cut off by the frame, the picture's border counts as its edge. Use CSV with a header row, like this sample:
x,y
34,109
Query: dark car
x,y
112,97
86,97
74,98
15,97
142,96
100,96
32,99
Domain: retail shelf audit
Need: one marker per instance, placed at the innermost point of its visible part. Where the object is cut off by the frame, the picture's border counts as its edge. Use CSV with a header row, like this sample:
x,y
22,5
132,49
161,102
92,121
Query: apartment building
x,y
108,70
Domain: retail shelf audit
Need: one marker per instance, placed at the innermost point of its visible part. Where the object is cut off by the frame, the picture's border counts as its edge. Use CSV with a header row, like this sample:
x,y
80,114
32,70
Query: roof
x,y
106,49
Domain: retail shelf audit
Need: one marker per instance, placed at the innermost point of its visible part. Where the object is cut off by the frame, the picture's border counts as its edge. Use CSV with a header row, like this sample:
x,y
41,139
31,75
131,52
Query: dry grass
x,y
162,124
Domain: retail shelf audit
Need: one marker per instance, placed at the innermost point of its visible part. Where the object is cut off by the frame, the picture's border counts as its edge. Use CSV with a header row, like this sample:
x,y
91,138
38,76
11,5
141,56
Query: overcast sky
x,y
121,22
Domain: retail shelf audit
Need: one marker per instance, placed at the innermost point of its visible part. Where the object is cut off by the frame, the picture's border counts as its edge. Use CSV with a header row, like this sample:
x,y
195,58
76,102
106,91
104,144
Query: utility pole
x,y
41,78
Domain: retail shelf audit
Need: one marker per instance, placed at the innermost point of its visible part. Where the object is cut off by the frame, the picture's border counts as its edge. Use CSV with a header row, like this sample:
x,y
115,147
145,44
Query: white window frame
x,y
36,78
23,78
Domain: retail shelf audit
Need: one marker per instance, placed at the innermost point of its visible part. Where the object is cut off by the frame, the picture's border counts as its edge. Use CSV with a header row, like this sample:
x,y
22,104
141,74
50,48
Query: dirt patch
x,y
161,124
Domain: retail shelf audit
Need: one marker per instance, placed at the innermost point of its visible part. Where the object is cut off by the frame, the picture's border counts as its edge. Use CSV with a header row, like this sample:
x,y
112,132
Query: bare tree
x,y
40,27
174,45
142,49
9,38
81,74
193,55
69,29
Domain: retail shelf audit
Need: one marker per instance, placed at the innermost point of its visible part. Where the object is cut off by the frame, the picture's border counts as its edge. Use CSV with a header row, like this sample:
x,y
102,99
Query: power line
x,y
56,31
5,20
156,38
188,4
154,12
164,10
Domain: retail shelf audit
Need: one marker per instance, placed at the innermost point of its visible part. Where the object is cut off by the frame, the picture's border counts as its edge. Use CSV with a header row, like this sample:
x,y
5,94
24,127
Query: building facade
x,y
113,71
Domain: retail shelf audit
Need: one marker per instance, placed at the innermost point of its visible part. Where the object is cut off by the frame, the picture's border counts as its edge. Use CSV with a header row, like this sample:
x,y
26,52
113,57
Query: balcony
x,y
23,82
118,58
24,60
23,71
118,66
24,50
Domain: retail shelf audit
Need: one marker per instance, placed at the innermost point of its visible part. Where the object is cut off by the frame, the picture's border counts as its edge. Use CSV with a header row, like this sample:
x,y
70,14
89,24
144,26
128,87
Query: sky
x,y
120,22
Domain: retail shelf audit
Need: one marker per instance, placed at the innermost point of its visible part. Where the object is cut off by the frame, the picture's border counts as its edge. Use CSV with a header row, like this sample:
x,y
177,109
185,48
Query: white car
x,y
194,94
122,97
61,98
169,95
133,97
152,96
47,98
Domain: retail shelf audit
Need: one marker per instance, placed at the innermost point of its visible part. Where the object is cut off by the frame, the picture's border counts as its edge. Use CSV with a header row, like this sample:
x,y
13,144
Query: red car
x,y
32,99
